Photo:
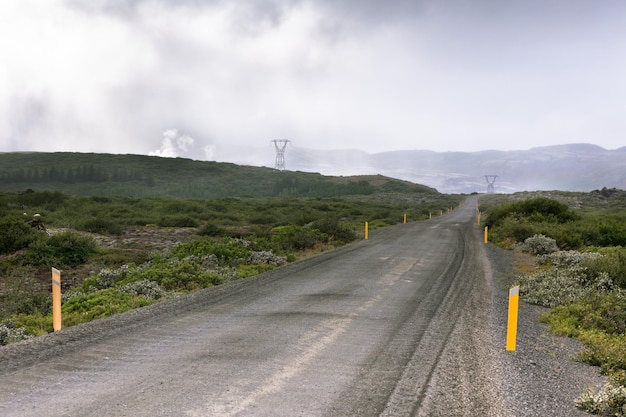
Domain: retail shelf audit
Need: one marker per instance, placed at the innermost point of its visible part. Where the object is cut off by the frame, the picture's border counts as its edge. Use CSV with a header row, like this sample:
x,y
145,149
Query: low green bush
x,y
174,275
16,234
605,312
100,304
228,252
22,294
67,249
296,238
101,225
34,324
533,210
250,270
613,262
334,230
181,220
211,229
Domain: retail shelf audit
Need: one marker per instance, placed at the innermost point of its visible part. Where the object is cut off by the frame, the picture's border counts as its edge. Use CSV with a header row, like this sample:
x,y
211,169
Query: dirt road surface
x,y
407,323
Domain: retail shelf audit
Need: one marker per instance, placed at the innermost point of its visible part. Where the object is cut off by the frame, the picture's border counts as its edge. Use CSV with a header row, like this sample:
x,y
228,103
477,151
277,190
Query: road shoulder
x,y
541,376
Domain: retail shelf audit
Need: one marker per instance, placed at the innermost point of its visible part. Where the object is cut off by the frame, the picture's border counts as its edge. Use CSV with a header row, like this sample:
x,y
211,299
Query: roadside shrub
x,y
15,234
610,401
249,270
520,220
176,275
36,323
146,288
104,279
101,225
334,230
210,229
565,235
10,332
291,238
101,304
539,245
228,252
563,284
598,319
605,312
609,232
536,210
67,249
606,350
613,262
22,294
513,228
181,220
568,259
266,257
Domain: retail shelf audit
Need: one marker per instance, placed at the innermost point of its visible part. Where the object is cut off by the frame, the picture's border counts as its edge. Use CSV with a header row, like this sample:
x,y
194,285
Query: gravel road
x,y
408,323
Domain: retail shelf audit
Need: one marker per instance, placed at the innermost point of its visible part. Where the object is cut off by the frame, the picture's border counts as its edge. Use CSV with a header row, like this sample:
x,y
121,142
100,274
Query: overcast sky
x,y
204,79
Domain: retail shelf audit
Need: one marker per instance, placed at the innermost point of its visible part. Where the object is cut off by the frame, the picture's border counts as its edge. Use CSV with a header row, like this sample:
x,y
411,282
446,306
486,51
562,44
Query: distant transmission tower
x,y
280,145
490,180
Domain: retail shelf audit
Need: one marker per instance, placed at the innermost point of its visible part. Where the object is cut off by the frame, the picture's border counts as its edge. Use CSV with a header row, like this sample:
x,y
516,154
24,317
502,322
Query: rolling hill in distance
x,y
575,167
318,173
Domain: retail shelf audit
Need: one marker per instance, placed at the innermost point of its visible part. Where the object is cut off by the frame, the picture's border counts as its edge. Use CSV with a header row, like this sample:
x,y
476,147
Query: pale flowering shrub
x,y
146,288
73,293
206,262
610,401
11,333
565,281
567,258
266,257
107,277
539,245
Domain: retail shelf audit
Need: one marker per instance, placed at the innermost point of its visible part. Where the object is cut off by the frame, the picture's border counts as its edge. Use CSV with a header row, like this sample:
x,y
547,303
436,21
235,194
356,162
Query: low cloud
x,y
111,75
175,144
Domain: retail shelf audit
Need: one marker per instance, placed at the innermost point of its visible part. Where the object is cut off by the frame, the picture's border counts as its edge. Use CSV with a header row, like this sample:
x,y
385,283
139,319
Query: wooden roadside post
x,y
511,330
56,299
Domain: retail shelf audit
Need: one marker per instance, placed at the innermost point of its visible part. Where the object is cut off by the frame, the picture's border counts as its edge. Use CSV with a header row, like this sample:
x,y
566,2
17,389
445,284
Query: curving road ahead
x,y
398,325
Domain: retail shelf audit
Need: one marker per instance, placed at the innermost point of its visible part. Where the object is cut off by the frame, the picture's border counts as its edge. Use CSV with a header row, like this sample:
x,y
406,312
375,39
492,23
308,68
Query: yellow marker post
x,y
404,218
479,218
511,331
486,234
430,215
56,299
367,235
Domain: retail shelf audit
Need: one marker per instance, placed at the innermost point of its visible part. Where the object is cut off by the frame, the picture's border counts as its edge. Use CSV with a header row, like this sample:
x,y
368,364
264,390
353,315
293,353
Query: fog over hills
x,y
573,167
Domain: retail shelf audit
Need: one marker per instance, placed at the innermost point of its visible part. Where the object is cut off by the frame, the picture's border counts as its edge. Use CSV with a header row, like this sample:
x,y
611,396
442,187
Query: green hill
x,y
151,176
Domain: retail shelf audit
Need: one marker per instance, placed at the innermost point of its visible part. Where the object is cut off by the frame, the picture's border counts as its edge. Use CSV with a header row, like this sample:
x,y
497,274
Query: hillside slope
x,y
149,176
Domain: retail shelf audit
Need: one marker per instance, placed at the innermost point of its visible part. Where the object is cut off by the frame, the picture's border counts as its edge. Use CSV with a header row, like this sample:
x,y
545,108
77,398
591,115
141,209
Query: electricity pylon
x,y
490,180
280,145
